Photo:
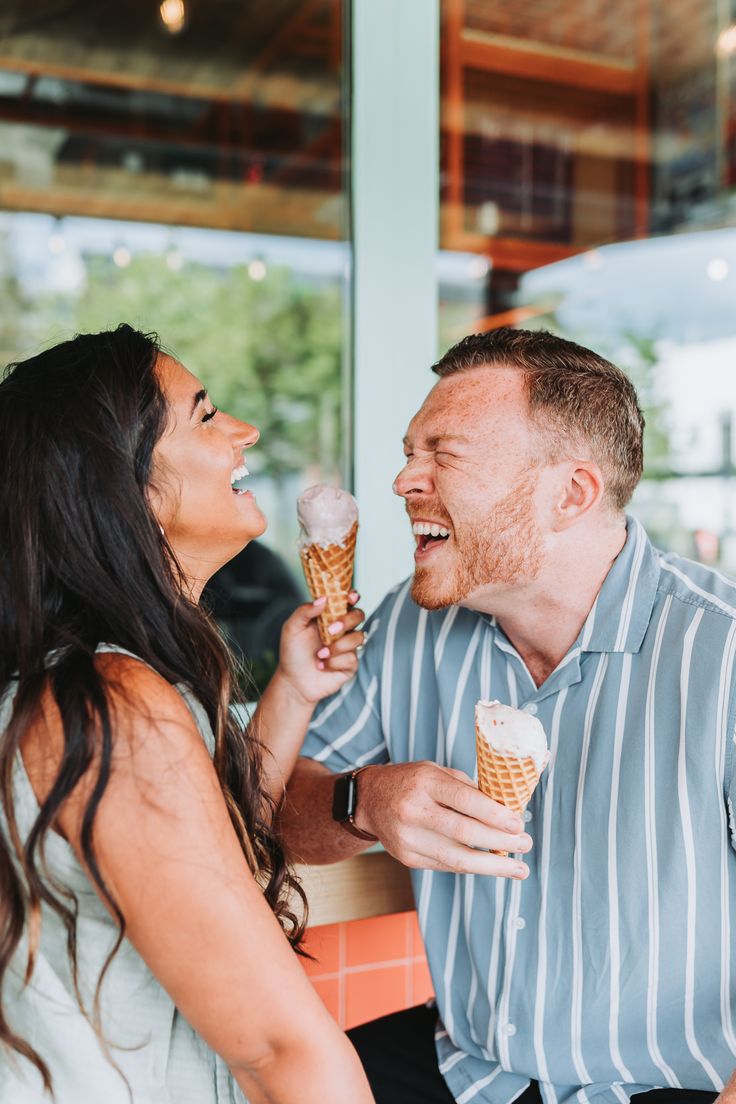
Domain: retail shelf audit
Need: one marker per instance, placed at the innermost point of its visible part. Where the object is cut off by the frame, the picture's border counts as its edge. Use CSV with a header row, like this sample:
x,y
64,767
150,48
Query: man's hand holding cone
x,y
512,753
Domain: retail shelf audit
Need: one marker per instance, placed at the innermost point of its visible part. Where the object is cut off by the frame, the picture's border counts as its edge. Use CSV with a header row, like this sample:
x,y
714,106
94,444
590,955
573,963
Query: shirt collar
x,y
621,613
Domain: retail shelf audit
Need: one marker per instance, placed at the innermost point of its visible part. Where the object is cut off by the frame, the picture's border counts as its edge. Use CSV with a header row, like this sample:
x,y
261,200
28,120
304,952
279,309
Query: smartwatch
x,y
345,804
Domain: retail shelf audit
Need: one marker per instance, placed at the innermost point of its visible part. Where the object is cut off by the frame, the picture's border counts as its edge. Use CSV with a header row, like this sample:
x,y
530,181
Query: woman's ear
x,y
582,490
159,494
155,503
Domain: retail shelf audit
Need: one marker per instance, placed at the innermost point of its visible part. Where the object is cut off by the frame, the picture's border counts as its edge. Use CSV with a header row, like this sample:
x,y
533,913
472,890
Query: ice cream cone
x,y
508,779
328,570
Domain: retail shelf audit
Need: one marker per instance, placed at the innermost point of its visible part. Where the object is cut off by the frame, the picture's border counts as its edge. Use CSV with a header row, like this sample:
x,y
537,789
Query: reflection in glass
x,y
193,183
588,158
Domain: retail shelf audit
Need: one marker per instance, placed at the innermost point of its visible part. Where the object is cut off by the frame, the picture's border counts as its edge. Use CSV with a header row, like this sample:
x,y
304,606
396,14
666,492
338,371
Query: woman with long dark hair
x,y
146,910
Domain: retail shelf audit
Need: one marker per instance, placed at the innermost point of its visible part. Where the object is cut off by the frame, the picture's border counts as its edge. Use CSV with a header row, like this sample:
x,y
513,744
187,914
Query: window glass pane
x,y
588,162
593,26
191,179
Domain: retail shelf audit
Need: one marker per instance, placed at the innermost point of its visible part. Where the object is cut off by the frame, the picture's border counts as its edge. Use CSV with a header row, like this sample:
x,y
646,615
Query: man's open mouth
x,y
429,535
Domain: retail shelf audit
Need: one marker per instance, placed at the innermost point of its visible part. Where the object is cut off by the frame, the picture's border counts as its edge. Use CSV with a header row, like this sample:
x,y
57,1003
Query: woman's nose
x,y
247,435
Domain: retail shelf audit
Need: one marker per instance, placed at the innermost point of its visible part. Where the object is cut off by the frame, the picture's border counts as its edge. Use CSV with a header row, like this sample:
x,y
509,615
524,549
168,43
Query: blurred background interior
x,y
310,199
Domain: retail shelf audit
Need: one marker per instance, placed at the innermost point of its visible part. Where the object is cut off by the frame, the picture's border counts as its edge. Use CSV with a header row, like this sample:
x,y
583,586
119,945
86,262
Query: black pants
x,y
399,1058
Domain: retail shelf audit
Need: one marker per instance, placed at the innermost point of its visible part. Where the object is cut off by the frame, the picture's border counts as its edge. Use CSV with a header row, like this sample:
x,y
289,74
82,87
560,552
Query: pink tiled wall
x,y
367,968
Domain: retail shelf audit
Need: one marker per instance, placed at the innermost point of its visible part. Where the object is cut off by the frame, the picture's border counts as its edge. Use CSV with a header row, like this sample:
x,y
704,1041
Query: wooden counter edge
x,y
371,884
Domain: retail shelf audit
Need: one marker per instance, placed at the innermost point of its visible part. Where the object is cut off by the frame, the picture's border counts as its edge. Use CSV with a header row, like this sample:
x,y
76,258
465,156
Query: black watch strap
x,y
345,804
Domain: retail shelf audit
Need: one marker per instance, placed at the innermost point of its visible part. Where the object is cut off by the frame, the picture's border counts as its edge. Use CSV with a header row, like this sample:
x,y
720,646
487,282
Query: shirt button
x,y
509,1029
519,923
526,816
530,707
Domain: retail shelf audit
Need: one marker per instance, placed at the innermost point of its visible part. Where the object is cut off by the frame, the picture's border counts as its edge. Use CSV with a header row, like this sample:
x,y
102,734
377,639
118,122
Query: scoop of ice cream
x,y
512,732
326,515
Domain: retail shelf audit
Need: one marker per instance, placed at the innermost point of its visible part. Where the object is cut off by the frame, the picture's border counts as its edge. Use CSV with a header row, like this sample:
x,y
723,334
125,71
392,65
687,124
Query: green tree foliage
x,y
641,366
269,351
637,355
14,336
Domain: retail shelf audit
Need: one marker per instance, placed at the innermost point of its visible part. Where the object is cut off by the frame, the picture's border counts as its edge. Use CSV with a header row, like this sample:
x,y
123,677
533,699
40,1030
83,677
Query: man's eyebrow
x,y
436,438
198,398
444,436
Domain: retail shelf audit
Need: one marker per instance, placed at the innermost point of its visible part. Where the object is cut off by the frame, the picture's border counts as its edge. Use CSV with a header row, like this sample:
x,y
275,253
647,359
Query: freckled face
x,y
469,484
205,520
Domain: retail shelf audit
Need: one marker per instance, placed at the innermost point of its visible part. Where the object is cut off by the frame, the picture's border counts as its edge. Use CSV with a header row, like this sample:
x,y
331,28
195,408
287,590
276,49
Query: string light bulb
x,y
257,270
121,256
726,42
717,268
173,15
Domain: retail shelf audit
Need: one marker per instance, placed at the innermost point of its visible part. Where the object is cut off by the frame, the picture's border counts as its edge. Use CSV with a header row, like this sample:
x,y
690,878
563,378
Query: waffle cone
x,y
506,778
329,574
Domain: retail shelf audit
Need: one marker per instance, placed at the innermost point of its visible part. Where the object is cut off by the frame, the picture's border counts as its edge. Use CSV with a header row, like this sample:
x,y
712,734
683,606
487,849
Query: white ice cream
x,y
326,515
512,732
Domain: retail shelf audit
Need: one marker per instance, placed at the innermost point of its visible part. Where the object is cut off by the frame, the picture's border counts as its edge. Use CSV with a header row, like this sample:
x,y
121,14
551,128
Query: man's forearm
x,y
728,1096
309,833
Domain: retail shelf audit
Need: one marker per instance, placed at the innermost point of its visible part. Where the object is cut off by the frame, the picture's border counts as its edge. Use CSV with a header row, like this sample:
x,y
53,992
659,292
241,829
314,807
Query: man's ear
x,y
581,491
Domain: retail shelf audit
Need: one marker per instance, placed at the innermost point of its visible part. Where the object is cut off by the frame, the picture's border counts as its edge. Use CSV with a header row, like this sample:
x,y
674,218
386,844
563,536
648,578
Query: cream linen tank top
x,y
162,1058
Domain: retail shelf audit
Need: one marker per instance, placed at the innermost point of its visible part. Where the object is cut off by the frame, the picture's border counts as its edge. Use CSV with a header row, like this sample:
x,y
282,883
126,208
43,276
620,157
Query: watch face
x,y
342,795
344,801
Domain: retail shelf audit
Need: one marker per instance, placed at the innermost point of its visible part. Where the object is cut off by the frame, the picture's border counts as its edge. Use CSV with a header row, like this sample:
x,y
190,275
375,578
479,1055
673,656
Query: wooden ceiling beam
x,y
554,65
141,82
247,84
508,253
453,118
516,316
262,209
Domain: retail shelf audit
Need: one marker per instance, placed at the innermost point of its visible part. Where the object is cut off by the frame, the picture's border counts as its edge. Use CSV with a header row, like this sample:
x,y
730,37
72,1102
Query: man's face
x,y
473,460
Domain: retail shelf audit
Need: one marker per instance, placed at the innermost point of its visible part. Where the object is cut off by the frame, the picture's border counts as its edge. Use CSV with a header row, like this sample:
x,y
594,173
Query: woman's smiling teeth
x,y
239,473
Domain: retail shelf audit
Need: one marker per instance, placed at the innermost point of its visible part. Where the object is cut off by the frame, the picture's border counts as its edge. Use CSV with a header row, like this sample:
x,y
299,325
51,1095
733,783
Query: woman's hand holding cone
x,y
312,669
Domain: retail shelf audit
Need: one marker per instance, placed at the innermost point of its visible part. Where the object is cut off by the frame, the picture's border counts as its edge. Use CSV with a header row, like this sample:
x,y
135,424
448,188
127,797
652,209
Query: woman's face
x,y
205,520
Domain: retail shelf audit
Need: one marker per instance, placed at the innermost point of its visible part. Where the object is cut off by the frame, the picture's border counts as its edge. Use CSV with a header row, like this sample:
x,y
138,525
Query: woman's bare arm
x,y
307,672
168,852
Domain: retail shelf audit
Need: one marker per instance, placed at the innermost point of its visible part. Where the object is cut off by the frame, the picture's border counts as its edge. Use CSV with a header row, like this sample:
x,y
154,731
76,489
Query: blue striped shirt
x,y
611,969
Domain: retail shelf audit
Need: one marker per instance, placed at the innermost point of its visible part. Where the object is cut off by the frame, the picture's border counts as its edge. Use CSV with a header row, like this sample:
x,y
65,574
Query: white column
x,y
395,182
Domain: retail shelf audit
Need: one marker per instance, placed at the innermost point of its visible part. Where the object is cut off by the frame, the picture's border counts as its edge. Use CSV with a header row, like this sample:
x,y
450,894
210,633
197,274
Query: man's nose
x,y
414,478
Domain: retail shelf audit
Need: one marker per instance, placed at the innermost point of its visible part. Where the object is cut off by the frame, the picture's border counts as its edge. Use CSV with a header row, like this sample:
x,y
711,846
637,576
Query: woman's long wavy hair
x,y
83,562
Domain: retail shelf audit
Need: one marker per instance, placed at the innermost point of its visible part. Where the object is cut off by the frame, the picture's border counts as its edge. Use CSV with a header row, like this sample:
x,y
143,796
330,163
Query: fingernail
x,y
521,871
353,596
321,666
514,824
319,601
525,842
323,653
335,628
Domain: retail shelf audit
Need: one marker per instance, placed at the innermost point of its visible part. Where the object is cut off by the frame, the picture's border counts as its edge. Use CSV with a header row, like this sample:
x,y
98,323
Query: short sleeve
x,y
346,731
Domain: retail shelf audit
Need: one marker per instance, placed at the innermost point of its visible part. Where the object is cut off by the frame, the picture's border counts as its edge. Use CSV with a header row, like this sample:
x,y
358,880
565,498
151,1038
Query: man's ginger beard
x,y
503,548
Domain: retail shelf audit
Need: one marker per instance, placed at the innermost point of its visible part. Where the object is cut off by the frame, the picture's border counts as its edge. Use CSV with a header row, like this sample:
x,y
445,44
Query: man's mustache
x,y
436,513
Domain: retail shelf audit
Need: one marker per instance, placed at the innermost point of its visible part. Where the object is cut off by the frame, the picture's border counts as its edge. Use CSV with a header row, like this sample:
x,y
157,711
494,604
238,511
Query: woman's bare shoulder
x,y
136,692
149,723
